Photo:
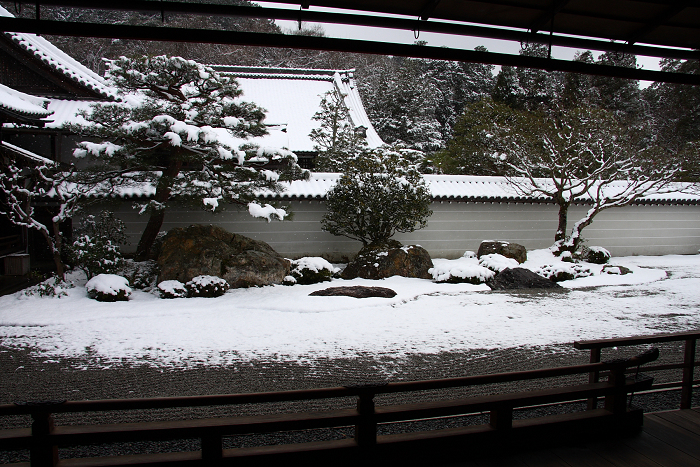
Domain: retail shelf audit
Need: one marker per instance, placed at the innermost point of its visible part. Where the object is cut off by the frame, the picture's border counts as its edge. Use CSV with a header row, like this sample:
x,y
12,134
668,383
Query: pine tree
x,y
380,193
337,140
176,130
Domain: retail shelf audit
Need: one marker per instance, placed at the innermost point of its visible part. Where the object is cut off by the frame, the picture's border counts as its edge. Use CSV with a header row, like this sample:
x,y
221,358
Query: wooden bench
x,y
43,438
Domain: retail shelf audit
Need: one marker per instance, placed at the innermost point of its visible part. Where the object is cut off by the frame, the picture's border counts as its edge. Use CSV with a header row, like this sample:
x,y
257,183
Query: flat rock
x,y
357,291
520,278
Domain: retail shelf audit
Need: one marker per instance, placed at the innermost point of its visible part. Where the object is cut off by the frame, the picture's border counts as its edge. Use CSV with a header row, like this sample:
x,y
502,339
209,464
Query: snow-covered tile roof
x,y
292,96
27,154
24,104
442,187
65,111
59,60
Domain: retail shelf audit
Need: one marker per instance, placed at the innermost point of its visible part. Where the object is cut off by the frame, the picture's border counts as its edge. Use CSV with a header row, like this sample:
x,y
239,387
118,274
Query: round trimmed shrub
x,y
108,288
172,289
597,255
310,270
207,286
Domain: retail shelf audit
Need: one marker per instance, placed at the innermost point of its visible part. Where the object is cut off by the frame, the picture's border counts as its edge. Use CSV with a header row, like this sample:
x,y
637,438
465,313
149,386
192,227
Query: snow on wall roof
x,y
27,154
22,103
59,60
442,187
292,96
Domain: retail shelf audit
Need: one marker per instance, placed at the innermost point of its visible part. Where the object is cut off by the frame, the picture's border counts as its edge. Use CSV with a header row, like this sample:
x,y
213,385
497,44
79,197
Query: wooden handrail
x,y
22,408
44,438
687,366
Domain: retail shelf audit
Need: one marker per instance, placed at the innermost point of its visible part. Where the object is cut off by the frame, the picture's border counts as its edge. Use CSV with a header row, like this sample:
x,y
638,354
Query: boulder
x,y
356,291
520,278
509,250
212,251
390,259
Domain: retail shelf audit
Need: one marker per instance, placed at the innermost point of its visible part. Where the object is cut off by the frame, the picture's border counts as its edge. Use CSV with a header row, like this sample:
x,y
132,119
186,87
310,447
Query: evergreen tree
x,y
176,130
336,139
620,96
473,150
379,194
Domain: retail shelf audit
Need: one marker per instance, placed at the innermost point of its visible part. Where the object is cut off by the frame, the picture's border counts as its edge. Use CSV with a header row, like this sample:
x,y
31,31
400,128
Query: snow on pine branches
x,y
180,127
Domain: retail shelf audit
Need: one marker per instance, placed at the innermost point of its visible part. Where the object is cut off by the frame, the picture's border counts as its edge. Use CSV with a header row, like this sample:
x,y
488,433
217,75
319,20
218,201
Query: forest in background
x,y
429,105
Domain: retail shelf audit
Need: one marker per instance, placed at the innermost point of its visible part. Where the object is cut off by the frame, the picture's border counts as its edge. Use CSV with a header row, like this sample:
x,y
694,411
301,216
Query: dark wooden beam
x,y
542,21
428,9
659,20
461,29
331,44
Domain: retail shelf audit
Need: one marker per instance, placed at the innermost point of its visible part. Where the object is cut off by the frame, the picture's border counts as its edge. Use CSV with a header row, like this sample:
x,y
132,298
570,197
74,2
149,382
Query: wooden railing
x,y
44,438
687,366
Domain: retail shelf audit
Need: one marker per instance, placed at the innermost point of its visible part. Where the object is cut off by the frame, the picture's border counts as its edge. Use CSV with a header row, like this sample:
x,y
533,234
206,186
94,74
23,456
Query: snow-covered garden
x,y
283,323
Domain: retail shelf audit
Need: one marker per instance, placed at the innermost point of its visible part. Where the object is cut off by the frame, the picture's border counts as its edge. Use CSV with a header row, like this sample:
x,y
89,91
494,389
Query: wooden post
x,y
688,374
617,401
593,377
41,452
501,418
212,448
366,428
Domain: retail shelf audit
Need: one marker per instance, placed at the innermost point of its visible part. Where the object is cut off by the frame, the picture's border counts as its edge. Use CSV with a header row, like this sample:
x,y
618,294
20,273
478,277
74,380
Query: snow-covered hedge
x,y
172,289
108,288
461,270
597,255
207,286
563,271
497,263
52,287
310,270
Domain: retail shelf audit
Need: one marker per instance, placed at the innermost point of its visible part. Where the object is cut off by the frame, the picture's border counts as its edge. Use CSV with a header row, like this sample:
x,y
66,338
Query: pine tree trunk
x,y
155,221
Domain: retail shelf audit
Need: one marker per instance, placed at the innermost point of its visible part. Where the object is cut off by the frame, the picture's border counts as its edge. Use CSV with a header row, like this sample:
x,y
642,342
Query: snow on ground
x,y
284,323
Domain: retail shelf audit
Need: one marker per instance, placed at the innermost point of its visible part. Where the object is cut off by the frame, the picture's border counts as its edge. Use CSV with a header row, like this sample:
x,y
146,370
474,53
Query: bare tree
x,y
585,155
23,182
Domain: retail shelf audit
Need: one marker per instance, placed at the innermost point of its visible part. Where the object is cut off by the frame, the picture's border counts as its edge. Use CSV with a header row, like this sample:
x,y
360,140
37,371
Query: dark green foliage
x,y
473,149
378,195
119,296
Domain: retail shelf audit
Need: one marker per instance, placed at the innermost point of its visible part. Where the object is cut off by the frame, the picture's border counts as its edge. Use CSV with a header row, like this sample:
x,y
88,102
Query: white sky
x,y
437,40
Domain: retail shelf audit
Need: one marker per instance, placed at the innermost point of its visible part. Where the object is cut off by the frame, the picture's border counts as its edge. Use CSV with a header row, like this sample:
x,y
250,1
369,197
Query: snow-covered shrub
x,y
597,255
96,255
461,270
497,263
563,271
52,287
469,254
310,270
108,288
141,274
618,270
172,289
567,257
207,286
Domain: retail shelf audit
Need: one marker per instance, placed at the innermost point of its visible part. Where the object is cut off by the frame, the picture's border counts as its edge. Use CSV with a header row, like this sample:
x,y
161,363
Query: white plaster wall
x,y
454,228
